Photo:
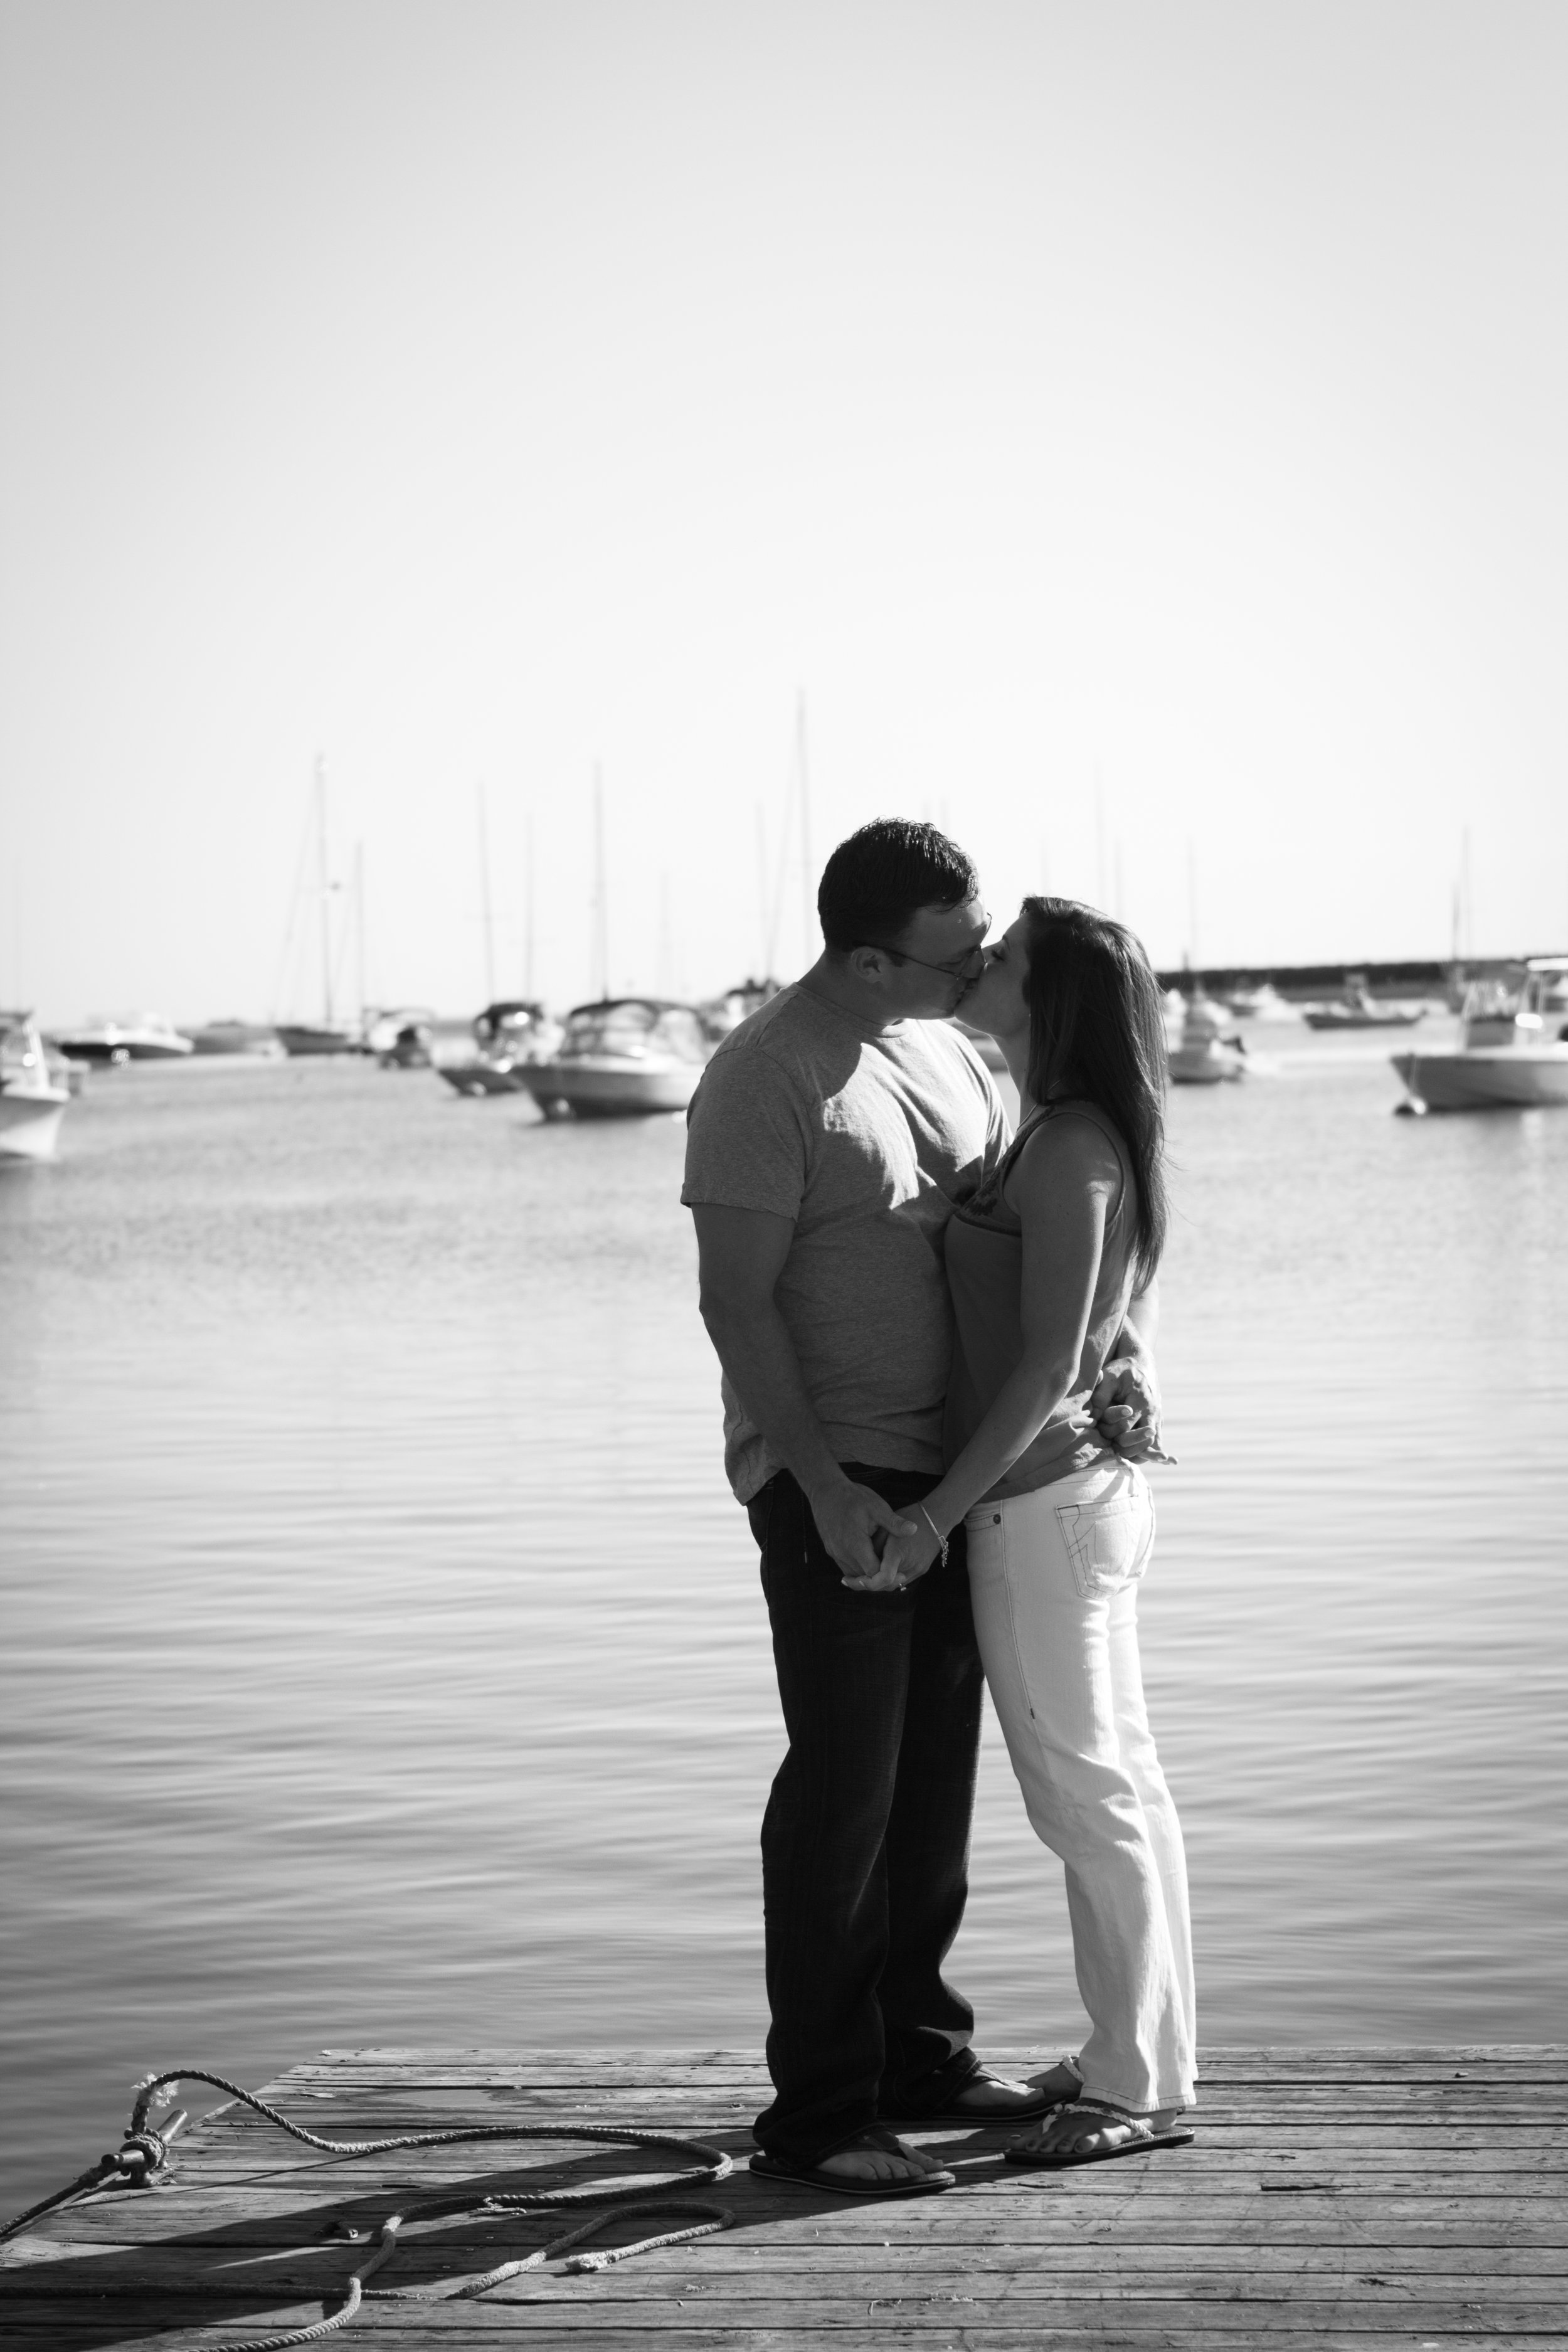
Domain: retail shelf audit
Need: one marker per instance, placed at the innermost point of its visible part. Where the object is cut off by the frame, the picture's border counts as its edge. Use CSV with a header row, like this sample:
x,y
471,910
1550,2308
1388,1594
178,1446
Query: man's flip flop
x,y
1142,2138
952,2110
803,2175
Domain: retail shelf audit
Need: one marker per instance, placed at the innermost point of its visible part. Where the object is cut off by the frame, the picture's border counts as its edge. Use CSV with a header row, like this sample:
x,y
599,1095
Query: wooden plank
x,y
1107,2330
449,2252
867,2320
274,2216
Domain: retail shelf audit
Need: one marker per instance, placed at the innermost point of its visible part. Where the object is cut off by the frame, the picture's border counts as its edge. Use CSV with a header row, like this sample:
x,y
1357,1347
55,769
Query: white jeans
x,y
1054,1575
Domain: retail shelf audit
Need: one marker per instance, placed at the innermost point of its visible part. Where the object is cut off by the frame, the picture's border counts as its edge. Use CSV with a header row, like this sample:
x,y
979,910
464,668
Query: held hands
x,y
855,1524
1124,1405
904,1558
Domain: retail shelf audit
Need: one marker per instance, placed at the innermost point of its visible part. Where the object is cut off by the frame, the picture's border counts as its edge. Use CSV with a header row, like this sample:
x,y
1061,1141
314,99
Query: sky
x,y
1129,432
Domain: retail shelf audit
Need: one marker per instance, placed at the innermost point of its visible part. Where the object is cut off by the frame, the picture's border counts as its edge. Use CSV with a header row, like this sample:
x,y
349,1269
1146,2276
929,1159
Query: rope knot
x,y
142,2154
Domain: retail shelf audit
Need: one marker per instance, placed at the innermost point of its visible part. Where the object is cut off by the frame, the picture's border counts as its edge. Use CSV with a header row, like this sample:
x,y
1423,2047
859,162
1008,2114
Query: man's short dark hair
x,y
876,883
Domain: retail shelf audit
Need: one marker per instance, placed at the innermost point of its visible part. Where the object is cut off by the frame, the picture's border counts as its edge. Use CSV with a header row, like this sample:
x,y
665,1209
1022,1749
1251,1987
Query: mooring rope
x,y
143,2152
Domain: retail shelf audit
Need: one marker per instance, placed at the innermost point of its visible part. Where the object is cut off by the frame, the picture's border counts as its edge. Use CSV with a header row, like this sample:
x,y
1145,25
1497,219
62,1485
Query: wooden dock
x,y
1335,2198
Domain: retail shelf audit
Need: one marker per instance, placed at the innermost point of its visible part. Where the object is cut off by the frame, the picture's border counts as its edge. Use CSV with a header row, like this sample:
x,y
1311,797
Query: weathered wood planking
x,y
1336,2198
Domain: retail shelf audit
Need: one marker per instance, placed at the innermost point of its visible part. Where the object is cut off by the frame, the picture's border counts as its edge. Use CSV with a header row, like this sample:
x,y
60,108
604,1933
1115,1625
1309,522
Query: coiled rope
x,y
145,2153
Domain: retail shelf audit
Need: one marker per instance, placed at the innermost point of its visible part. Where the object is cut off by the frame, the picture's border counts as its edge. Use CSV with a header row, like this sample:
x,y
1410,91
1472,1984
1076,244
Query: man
x,y
830,1139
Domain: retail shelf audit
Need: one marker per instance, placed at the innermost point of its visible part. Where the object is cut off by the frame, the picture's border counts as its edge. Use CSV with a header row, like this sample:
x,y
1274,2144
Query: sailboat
x,y
1204,1056
327,1035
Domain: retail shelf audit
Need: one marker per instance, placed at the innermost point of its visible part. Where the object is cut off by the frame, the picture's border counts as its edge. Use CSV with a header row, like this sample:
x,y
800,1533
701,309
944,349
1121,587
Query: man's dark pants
x,y
866,1836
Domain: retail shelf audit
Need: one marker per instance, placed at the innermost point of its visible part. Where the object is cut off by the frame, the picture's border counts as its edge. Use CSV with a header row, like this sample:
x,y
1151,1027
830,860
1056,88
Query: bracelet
x,y
940,1538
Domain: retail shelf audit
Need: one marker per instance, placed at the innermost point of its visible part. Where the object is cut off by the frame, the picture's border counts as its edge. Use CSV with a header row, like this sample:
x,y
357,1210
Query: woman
x,y
1046,1263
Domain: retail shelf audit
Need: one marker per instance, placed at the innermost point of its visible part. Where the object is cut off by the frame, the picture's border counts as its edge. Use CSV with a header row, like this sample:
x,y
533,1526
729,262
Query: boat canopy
x,y
636,1025
508,1016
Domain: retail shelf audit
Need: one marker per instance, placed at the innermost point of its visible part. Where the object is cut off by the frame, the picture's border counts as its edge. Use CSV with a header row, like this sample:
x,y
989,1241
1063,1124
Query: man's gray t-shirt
x,y
868,1141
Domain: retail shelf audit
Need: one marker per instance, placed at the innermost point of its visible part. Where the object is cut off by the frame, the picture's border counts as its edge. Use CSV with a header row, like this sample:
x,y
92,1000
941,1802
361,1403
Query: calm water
x,y
384,1659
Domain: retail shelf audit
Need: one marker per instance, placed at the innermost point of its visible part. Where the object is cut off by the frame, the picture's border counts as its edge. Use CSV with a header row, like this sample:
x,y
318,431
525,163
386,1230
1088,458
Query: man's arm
x,y
740,1255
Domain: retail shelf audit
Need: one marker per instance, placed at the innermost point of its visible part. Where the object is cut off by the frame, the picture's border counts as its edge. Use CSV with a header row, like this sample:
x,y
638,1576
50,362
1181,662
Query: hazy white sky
x,y
1133,423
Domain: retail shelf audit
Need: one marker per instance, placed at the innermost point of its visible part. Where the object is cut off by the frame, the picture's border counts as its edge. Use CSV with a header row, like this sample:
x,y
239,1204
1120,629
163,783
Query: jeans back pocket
x,y
1107,1543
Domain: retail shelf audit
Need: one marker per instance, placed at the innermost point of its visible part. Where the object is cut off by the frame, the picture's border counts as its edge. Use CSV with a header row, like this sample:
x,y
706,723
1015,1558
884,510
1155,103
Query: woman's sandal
x,y
1141,2137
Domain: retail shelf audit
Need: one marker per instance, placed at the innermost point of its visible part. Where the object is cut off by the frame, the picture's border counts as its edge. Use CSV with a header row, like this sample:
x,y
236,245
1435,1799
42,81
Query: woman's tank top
x,y
985,1249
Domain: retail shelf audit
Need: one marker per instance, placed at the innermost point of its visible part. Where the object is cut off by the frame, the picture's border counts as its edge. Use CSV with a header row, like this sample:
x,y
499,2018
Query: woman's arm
x,y
1063,1188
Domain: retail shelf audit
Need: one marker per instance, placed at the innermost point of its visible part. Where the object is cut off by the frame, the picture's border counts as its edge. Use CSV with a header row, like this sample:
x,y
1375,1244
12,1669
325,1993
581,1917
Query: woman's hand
x,y
904,1558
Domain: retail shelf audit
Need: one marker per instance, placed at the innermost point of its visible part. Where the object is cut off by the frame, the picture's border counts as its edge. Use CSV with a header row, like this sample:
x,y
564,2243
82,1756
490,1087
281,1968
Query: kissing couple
x,y
936,1342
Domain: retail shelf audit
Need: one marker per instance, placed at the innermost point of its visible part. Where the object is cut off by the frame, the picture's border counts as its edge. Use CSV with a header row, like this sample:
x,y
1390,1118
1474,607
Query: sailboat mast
x,y
601,912
763,936
326,905
359,926
485,899
527,907
808,896
1192,903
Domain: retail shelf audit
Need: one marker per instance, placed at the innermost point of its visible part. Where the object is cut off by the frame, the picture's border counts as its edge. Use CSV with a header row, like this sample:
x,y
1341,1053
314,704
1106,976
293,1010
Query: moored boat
x,y
33,1098
309,1037
623,1058
1513,1049
400,1035
720,1014
1357,1008
135,1037
234,1036
1204,1056
509,1035
1263,1002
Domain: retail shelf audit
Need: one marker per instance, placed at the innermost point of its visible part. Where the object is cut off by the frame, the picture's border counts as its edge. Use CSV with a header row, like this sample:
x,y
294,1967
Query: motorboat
x,y
509,1035
134,1037
234,1036
1205,1055
720,1014
32,1097
1263,1002
313,1038
1513,1049
623,1058
1357,1008
399,1035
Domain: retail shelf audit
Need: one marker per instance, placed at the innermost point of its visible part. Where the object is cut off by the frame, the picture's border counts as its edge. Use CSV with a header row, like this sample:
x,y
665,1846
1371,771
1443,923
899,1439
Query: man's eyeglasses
x,y
965,967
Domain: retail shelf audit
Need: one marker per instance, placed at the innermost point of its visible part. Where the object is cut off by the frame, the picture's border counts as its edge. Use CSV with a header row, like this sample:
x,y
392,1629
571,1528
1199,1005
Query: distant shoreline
x,y
1303,980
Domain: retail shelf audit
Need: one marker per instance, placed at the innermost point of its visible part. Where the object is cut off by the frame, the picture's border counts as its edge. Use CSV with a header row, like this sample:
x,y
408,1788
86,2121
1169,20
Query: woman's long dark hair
x,y
1095,1033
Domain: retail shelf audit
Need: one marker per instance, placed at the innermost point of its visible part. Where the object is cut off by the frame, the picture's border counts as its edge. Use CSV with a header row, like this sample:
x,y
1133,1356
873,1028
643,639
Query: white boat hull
x,y
1517,1076
605,1086
1203,1059
112,1045
31,1124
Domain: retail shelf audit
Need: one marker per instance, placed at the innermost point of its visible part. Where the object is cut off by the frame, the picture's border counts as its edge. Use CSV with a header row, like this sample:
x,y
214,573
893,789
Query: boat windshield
x,y
1490,1000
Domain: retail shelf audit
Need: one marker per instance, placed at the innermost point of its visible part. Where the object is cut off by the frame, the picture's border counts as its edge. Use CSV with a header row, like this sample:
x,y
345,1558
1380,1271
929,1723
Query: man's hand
x,y
1124,1405
854,1524
904,1558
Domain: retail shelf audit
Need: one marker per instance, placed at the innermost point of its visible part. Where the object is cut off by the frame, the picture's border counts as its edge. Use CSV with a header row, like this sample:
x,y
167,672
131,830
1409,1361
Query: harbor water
x,y
384,1659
